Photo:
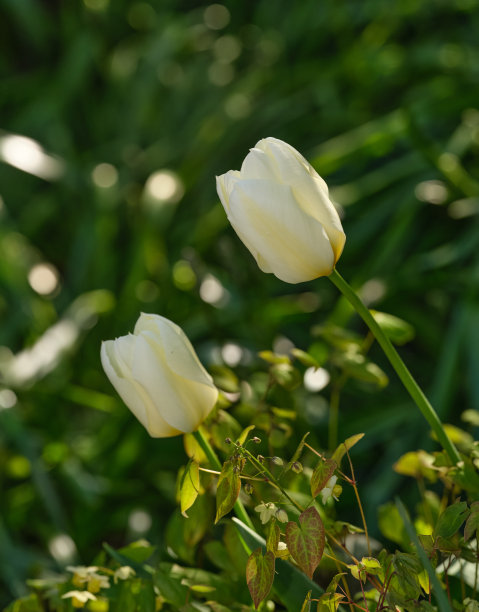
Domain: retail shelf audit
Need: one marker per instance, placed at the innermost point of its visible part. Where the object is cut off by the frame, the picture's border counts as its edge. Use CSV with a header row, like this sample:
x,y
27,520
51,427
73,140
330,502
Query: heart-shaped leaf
x,y
306,541
259,575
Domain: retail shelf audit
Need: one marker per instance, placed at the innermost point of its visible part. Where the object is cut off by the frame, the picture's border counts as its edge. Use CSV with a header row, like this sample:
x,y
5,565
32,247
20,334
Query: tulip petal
x,y
280,235
117,365
224,186
180,400
309,189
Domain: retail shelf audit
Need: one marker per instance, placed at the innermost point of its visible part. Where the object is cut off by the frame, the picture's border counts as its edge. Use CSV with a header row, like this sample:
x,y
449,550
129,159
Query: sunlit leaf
x,y
228,488
259,575
306,541
189,486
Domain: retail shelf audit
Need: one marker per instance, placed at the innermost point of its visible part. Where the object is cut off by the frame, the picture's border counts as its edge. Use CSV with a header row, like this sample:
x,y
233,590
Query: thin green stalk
x,y
215,462
411,385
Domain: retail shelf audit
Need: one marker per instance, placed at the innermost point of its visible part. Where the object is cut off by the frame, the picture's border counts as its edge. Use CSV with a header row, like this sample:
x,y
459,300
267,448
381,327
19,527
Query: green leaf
x,y
329,602
322,473
333,585
472,524
346,446
139,551
286,375
189,486
465,475
291,583
274,358
396,329
171,588
272,539
416,464
306,607
297,452
305,358
228,488
471,416
306,541
224,378
441,597
355,365
260,575
244,434
451,519
224,426
391,524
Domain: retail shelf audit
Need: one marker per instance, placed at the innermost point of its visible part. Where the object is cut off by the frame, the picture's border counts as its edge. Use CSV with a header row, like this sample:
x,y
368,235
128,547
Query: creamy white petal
x,y
309,189
292,244
131,392
224,186
181,402
176,349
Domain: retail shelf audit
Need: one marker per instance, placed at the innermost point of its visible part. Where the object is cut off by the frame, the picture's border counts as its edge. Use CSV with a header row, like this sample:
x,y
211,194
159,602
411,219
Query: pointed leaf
x,y
228,489
306,607
306,541
451,519
259,575
472,523
189,486
244,434
322,473
346,445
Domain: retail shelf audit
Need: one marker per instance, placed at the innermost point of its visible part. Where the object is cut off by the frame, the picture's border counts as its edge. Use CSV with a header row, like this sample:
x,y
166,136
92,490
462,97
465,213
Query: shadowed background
x,y
115,118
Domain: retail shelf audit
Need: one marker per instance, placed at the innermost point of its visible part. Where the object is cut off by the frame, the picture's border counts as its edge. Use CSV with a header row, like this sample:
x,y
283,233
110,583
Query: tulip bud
x,y
280,208
158,375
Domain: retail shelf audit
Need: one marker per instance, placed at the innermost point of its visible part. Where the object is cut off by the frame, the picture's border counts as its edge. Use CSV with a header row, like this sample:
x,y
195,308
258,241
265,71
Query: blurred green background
x,y
115,117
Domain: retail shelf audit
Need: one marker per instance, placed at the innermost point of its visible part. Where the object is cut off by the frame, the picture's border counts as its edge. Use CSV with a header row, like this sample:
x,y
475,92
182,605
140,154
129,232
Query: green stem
x,y
215,462
406,377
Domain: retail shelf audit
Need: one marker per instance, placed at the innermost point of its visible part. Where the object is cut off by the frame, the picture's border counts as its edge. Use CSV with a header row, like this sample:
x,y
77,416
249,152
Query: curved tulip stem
x,y
398,364
215,462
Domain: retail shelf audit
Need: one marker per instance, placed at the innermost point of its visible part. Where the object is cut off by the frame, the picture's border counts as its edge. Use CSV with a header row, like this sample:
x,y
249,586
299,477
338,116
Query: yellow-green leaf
x,y
346,446
228,488
190,486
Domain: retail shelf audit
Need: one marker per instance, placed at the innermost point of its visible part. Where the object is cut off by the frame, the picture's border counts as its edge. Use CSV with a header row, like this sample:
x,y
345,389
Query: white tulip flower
x,y
280,208
158,375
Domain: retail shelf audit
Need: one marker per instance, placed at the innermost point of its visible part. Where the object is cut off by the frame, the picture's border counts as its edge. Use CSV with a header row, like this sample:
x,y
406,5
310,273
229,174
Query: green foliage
x,y
383,101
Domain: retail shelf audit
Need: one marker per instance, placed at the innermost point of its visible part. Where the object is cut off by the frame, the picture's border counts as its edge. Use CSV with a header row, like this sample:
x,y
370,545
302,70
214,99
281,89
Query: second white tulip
x,y
280,208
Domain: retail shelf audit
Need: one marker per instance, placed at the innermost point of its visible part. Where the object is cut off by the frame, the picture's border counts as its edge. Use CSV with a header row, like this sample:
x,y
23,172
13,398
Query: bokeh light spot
x,y
164,186
216,16
220,74
139,521
183,275
213,292
62,548
8,399
43,278
104,175
316,379
434,192
227,48
28,155
96,5
232,354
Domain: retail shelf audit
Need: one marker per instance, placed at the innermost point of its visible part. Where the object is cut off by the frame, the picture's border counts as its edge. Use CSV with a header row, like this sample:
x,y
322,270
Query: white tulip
x,y
280,208
159,377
